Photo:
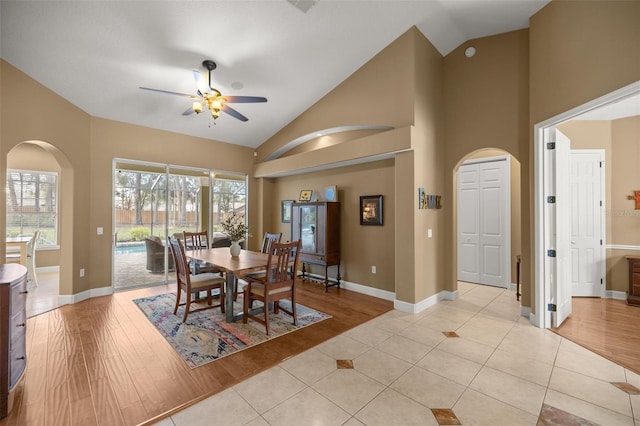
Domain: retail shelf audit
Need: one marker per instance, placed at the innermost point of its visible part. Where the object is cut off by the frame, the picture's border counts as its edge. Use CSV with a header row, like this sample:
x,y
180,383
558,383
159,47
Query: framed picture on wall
x,y
371,210
286,211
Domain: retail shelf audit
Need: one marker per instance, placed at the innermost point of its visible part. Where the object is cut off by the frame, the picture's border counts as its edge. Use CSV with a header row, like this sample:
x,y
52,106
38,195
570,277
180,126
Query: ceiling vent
x,y
303,5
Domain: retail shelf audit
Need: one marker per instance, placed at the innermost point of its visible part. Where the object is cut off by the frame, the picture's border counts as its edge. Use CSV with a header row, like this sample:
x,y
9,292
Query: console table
x,y
13,325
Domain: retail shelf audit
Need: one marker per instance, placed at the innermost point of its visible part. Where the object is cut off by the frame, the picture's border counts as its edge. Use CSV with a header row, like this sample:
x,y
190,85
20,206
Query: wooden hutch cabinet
x,y
317,225
13,325
633,298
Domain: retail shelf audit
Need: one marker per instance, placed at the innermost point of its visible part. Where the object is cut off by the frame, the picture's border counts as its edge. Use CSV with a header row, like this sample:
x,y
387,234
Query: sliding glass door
x,y
153,201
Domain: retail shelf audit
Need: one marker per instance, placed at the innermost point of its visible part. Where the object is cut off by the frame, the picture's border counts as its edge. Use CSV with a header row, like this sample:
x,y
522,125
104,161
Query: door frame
x,y
542,174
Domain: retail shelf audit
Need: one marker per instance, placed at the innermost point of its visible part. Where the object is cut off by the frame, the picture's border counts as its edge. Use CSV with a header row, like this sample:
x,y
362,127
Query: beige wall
x,y
486,112
413,68
361,246
579,51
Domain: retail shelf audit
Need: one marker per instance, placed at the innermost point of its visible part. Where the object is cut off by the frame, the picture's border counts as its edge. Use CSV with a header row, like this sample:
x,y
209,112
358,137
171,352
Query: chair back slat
x,y
280,260
268,240
180,261
196,240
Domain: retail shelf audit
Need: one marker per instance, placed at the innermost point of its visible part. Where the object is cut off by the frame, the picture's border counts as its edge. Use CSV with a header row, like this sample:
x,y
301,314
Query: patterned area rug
x,y
206,336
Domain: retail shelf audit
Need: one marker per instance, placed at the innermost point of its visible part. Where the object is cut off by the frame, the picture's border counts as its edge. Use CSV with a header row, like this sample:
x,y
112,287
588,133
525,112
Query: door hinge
x,y
551,199
601,164
601,281
551,307
600,242
551,145
551,253
600,203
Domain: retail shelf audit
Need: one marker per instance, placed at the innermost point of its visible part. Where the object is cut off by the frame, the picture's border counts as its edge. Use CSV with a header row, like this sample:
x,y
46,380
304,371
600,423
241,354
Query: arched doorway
x,y
33,162
510,248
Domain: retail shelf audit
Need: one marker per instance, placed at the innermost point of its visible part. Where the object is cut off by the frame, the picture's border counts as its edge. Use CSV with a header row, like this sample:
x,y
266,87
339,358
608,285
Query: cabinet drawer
x,y
18,297
18,327
17,361
635,290
635,267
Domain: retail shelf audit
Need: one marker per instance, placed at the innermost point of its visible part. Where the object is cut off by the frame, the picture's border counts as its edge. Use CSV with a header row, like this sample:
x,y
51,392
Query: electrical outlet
x,y
429,233
100,230
81,272
373,269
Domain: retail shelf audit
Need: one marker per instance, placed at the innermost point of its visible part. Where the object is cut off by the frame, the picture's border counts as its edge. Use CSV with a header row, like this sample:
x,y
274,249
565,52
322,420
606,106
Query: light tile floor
x,y
44,297
500,371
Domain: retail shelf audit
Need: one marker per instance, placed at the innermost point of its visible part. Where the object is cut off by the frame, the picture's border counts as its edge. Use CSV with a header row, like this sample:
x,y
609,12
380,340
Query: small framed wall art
x,y
331,193
371,210
286,211
305,195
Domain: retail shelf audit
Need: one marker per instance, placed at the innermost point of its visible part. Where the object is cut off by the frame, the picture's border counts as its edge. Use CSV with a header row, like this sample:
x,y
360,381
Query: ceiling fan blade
x,y
200,83
188,111
171,93
232,112
245,99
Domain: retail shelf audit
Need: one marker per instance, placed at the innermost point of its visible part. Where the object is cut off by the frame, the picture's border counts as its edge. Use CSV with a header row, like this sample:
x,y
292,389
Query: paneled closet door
x,y
484,222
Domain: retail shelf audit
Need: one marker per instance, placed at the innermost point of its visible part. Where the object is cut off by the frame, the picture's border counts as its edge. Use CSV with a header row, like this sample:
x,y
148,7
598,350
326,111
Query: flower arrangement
x,y
233,225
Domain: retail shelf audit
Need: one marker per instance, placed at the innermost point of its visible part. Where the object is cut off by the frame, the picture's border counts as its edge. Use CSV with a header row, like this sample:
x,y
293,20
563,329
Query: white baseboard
x,y
44,269
525,311
414,308
614,294
79,297
370,291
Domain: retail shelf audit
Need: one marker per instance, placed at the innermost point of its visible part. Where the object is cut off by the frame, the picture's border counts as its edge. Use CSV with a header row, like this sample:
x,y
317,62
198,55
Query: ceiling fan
x,y
211,97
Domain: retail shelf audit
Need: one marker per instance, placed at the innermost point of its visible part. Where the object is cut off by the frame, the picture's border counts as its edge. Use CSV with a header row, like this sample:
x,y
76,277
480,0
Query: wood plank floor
x,y
101,361
607,327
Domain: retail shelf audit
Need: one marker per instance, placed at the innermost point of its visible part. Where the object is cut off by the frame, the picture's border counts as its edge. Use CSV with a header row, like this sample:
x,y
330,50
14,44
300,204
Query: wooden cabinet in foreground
x,y
317,225
633,298
13,325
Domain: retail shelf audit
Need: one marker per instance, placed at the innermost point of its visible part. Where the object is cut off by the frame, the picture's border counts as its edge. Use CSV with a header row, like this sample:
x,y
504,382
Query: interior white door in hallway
x,y
484,221
586,179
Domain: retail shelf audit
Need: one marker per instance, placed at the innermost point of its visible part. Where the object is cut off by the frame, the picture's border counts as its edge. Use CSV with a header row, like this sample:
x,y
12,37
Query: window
x,y
228,196
32,204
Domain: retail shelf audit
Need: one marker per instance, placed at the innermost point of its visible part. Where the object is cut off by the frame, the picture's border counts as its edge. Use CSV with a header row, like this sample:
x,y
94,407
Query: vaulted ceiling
x,y
96,54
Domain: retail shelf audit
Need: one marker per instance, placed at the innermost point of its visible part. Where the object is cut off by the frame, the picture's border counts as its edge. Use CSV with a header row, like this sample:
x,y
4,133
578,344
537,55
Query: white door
x,y
468,224
484,222
561,238
586,177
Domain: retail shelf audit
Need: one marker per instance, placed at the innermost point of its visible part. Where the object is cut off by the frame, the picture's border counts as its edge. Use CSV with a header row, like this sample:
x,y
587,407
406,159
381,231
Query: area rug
x,y
206,336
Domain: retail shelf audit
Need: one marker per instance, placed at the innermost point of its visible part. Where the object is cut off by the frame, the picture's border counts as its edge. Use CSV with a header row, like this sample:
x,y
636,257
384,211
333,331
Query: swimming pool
x,y
130,248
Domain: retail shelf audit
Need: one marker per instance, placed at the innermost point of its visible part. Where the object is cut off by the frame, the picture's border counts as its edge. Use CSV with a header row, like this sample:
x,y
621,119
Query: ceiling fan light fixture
x,y
215,114
197,107
216,104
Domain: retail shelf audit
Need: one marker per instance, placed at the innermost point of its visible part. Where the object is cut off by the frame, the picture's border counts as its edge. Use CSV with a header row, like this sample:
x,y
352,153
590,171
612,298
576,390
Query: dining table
x,y
233,267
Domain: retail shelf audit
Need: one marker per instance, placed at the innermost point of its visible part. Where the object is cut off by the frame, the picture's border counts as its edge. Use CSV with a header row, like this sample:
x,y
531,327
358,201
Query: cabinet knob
x,y
21,325
20,357
24,292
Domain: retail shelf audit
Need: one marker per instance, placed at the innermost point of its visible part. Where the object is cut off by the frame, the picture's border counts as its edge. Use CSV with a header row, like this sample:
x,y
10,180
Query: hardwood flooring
x,y
101,361
607,327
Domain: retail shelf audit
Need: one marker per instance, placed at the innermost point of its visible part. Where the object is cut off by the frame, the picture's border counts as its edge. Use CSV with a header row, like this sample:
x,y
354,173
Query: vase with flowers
x,y
233,225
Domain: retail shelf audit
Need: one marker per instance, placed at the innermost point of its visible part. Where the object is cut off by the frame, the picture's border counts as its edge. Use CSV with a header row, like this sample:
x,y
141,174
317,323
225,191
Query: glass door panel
x,y
308,228
139,204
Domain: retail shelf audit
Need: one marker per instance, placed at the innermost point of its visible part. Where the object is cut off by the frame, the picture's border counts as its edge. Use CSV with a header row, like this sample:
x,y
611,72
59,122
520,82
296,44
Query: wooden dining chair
x,y
190,283
278,283
13,257
269,239
199,240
